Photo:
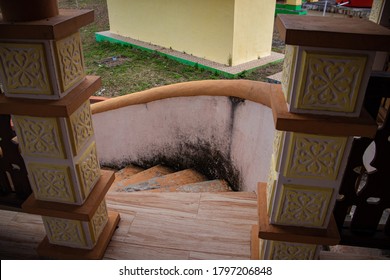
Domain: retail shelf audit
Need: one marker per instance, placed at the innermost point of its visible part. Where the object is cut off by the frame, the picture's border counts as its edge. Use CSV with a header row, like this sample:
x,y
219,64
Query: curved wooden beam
x,y
251,90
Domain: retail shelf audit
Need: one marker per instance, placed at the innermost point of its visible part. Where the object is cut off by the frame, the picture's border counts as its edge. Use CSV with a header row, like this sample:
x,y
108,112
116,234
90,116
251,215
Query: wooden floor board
x,y
125,251
155,226
123,226
6,217
184,233
171,204
210,256
229,207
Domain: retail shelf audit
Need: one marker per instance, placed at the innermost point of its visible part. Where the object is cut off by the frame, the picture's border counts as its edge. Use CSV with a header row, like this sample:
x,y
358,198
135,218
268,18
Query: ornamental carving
x,y
271,184
70,60
376,11
39,137
303,206
277,145
52,183
81,128
315,157
65,232
288,70
23,69
88,170
330,82
292,251
99,220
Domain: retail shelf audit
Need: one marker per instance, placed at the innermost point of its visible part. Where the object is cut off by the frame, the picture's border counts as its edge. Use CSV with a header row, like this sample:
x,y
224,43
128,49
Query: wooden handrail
x,y
251,90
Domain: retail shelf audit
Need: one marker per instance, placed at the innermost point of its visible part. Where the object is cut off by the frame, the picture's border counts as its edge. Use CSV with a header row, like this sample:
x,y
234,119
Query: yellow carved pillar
x,y
47,93
317,112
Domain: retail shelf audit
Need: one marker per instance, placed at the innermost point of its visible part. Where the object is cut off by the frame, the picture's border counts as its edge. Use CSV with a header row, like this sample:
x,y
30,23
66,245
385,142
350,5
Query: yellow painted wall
x,y
224,31
203,28
295,2
253,29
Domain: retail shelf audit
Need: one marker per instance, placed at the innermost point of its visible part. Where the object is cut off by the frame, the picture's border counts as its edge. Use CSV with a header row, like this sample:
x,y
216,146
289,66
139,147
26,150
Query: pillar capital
x,y
54,28
338,33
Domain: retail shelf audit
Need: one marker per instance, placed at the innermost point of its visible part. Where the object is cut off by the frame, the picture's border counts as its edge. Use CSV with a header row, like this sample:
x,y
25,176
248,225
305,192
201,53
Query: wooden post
x,y
47,93
326,70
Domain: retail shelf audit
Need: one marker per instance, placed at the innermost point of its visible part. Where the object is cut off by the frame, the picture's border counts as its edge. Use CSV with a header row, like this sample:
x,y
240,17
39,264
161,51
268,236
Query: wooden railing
x,y
363,208
14,184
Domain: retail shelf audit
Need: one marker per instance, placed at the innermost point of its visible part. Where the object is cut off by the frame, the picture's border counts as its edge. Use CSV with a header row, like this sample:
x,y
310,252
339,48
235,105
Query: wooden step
x,y
127,172
168,182
133,175
201,187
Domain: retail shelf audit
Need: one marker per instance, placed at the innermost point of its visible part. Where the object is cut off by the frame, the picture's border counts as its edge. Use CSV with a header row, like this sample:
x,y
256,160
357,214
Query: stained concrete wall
x,y
224,31
220,136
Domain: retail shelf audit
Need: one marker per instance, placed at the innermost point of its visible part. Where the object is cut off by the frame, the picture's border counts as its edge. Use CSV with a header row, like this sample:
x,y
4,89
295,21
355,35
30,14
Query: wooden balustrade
x,y
363,207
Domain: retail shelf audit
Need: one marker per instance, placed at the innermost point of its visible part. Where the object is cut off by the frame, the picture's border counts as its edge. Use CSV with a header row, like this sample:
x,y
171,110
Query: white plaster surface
x,y
243,132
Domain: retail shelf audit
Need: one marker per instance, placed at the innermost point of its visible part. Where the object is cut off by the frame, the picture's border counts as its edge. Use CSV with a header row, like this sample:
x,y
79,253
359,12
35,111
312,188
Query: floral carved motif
x,y
316,157
292,251
99,220
39,137
330,82
88,169
65,232
81,126
376,10
23,69
303,206
288,69
70,60
52,183
271,184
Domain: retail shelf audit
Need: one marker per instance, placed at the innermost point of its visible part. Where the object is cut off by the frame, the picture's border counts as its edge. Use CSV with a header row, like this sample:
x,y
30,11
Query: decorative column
x,y
47,93
317,112
290,7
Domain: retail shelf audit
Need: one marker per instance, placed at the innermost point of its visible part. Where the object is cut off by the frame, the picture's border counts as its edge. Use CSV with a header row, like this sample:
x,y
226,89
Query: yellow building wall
x,y
295,2
203,28
225,31
253,29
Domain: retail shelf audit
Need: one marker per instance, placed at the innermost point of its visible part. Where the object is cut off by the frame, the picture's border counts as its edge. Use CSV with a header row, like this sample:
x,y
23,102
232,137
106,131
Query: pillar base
x,y
47,250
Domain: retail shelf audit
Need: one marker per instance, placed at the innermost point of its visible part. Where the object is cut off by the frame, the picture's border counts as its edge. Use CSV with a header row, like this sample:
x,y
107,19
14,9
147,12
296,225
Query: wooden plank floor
x,y
155,226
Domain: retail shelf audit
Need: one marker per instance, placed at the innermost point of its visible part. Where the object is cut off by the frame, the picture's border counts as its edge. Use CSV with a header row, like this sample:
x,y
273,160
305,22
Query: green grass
x,y
136,70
